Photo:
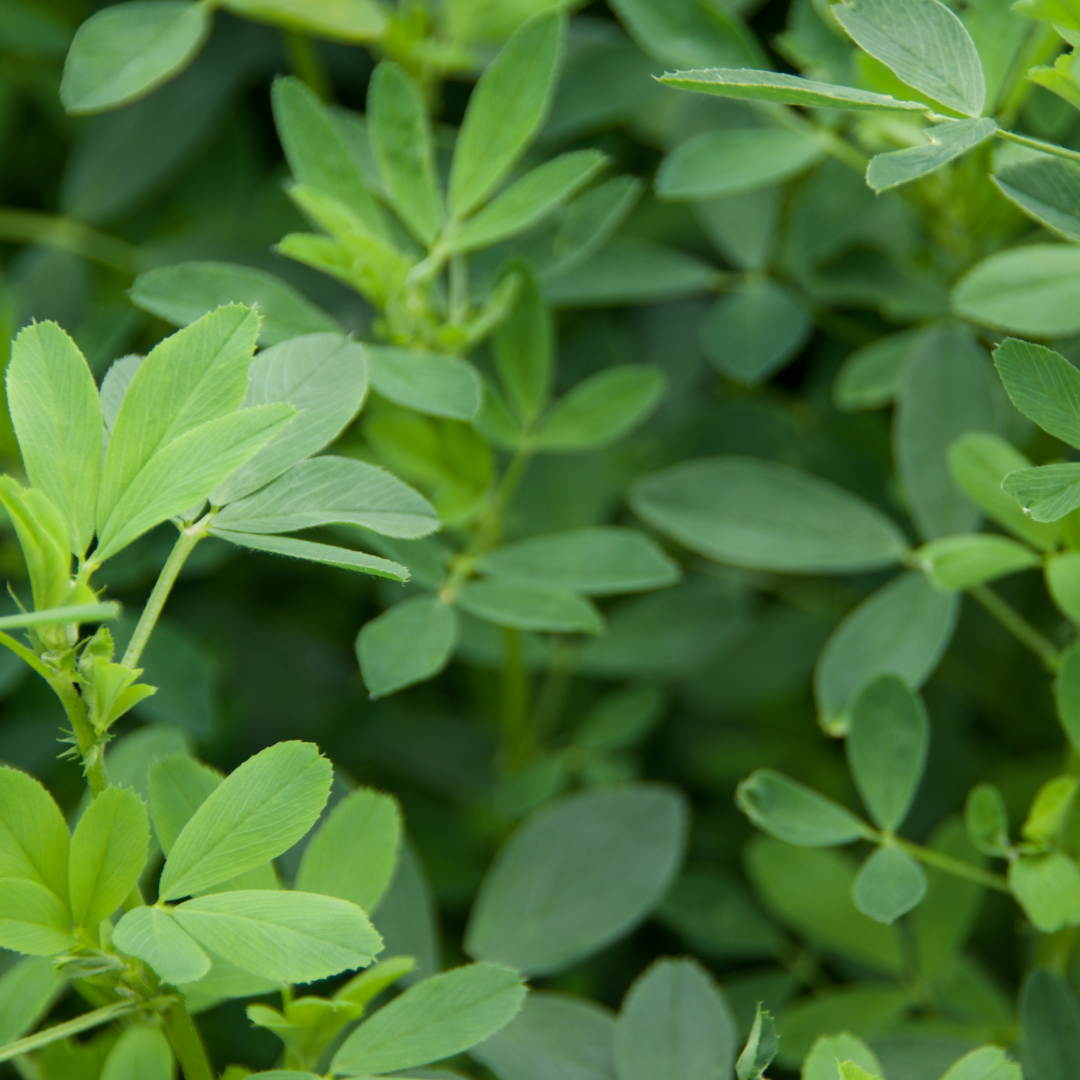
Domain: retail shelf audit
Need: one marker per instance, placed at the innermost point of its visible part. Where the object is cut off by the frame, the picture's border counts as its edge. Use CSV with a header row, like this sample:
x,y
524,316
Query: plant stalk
x,y
71,1027
187,1043
66,234
957,867
1038,144
1018,626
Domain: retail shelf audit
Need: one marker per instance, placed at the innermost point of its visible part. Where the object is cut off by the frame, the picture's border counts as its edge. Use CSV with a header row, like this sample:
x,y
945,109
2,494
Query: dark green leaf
x,y
1043,385
946,143
1049,1027
889,884
410,643
526,606
795,813
327,554
430,383
1046,189
869,377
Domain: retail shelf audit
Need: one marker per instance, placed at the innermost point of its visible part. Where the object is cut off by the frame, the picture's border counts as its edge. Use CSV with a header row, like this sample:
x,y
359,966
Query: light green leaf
x,y
1047,493
760,1049
33,920
889,884
683,33
27,990
947,142
327,554
506,110
578,874
57,418
125,51
985,1063
924,43
524,606
529,200
1031,290
1063,581
782,89
752,333
430,383
184,472
602,409
736,160
523,348
435,1019
1043,385
886,748
152,935
141,1053
986,820
33,835
868,377
850,1071
794,813
354,853
289,937
827,1053
332,491
197,375
410,643
185,292
1046,189
675,1022
596,561
961,562
903,628
763,515
324,377
114,386
108,851
178,785
979,463
404,150
338,20
1047,887
44,539
260,810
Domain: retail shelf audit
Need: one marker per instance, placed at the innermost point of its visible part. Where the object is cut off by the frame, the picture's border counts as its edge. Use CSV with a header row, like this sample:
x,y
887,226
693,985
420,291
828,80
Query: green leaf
x,y
185,292
794,813
525,606
1028,290
602,409
961,562
886,748
1049,811
338,20
761,1047
924,43
752,333
529,200
675,1022
523,348
850,1071
125,51
889,884
69,614
44,539
332,491
431,383
827,1053
108,851
27,990
57,419
947,142
141,1053
1047,887
354,853
868,377
324,377
736,160
184,473
410,643
1049,1026
33,919
317,151
986,820
903,628
1067,694
506,110
687,34
1063,581
979,462
33,835
152,935
985,1063
525,1049
781,89
327,554
1043,385
178,786
405,152
578,874
1046,493
288,937
435,1019
260,810
596,561
1046,189
767,516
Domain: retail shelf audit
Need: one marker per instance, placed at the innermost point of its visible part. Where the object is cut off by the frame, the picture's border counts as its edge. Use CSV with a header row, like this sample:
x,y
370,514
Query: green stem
x,y
90,749
515,702
71,1027
187,1043
831,143
1038,144
459,289
185,544
1018,626
307,64
64,234
957,867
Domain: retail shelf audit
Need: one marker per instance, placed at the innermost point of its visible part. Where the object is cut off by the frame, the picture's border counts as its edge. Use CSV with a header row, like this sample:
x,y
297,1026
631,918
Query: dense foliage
x,y
635,445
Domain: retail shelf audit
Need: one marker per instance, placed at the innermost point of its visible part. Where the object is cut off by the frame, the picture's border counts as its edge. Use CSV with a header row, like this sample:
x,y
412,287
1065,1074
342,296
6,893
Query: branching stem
x,y
940,861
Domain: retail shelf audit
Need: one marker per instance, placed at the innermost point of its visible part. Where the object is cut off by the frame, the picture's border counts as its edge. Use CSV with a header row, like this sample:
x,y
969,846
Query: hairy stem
x,y
71,1027
957,867
185,544
1018,626
187,1043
